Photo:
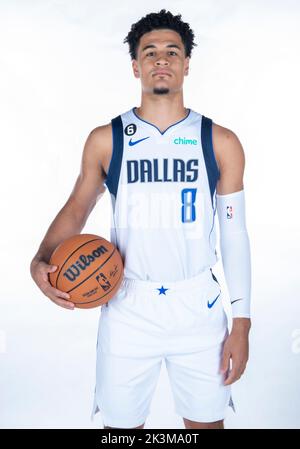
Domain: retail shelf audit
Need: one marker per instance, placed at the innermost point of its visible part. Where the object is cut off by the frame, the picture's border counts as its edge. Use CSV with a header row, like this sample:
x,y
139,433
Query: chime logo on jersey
x,y
229,211
184,141
162,170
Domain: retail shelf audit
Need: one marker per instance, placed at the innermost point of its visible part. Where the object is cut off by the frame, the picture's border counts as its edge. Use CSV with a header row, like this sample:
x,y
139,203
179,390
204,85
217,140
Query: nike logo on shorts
x,y
210,304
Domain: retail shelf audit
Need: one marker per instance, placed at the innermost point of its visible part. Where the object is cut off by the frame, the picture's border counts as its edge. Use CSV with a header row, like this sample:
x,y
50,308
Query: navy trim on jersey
x,y
162,133
113,175
212,168
213,276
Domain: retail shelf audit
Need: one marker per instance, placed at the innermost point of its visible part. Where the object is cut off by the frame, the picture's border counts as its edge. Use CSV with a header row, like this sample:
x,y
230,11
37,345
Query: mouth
x,y
161,74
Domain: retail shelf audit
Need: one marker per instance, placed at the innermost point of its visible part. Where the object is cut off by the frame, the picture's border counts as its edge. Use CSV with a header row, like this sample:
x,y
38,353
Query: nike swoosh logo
x,y
137,141
210,304
236,300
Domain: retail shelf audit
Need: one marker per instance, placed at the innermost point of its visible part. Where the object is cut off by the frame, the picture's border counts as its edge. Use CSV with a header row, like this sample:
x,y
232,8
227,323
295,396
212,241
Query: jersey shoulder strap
x,y
212,168
113,175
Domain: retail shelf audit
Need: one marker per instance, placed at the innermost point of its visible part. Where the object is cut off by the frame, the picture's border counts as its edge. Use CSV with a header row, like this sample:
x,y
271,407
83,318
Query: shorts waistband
x,y
197,281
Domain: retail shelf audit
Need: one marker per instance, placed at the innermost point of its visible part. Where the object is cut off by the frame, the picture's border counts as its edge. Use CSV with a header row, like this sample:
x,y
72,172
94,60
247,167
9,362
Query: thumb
x,y
47,268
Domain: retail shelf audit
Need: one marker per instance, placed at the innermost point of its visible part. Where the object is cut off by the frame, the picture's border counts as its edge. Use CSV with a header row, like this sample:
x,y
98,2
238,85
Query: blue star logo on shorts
x,y
162,290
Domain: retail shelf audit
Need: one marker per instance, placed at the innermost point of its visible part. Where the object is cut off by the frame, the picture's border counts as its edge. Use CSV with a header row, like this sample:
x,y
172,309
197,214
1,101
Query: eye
x,y
151,52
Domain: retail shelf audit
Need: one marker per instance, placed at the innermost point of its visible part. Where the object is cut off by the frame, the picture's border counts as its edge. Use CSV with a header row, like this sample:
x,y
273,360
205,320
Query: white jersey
x,y
163,191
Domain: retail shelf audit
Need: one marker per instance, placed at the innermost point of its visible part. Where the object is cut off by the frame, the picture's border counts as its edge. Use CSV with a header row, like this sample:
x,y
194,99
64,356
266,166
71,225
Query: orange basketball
x,y
89,268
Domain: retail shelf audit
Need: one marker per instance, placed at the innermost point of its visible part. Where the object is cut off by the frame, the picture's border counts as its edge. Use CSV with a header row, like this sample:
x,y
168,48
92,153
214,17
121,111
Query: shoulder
x,y
99,143
100,134
227,146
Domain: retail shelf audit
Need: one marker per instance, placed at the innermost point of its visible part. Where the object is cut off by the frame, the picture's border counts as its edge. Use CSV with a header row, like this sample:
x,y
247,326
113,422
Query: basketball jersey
x,y
163,196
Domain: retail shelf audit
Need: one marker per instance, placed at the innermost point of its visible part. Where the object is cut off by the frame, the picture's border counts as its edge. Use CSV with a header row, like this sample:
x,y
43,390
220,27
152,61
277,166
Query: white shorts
x,y
183,323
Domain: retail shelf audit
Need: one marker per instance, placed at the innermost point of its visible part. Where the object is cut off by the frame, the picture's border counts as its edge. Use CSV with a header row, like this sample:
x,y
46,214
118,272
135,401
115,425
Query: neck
x,y
161,111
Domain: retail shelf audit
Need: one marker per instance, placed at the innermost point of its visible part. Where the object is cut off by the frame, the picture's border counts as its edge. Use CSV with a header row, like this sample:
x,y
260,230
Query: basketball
x,y
89,268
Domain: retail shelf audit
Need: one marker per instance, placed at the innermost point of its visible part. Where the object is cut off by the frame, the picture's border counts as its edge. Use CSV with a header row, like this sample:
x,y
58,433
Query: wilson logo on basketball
x,y
83,262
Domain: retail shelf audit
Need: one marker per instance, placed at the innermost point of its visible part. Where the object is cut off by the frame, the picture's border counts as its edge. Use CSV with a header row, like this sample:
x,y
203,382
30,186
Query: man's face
x,y
161,50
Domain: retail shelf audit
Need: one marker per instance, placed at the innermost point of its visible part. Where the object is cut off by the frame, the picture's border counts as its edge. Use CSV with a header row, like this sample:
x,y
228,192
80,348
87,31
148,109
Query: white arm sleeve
x,y
235,251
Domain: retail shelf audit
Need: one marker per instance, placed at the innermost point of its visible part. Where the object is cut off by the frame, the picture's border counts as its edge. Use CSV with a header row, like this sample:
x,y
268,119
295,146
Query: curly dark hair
x,y
153,21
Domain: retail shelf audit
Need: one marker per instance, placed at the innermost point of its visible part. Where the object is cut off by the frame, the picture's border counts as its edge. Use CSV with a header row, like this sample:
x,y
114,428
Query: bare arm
x,y
70,220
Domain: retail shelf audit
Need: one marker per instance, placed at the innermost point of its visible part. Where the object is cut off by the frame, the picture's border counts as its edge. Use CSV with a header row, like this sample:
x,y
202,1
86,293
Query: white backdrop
x,y
63,71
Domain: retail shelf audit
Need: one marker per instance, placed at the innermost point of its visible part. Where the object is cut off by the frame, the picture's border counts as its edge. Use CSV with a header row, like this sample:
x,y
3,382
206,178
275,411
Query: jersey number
x,y
188,210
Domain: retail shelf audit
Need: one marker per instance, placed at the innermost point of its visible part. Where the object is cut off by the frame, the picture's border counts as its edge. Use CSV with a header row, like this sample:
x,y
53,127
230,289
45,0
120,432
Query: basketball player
x,y
168,169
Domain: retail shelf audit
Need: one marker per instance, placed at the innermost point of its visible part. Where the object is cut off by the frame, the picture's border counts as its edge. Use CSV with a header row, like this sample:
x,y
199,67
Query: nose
x,y
161,61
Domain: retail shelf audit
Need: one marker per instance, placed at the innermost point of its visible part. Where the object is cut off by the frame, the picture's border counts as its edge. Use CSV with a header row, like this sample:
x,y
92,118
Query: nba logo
x,y
103,281
229,211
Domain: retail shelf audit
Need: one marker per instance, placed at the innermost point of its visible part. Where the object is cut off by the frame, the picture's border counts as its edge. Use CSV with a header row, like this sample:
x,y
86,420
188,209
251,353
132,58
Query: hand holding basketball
x,y
39,272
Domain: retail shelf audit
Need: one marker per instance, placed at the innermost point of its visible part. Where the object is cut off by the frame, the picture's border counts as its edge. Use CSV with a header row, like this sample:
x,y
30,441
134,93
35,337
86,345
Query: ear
x,y
186,65
135,68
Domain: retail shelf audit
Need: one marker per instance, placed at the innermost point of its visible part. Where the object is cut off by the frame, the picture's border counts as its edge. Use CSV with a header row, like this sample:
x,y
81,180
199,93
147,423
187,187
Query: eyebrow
x,y
168,46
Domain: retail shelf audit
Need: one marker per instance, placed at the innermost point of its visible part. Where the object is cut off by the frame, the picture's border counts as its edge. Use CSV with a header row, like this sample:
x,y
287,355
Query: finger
x,y
58,297
51,268
232,377
47,269
62,303
48,289
235,373
53,292
59,293
225,362
241,369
